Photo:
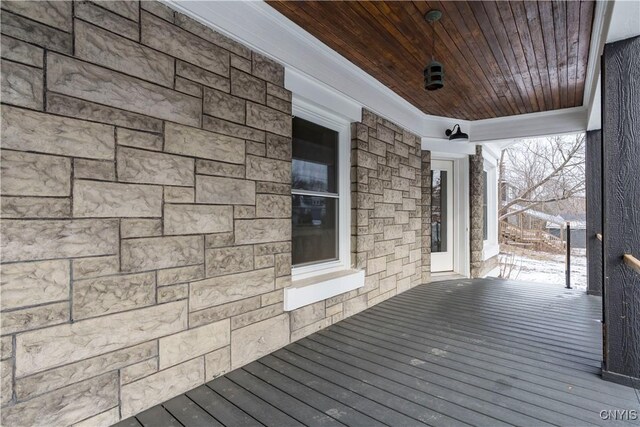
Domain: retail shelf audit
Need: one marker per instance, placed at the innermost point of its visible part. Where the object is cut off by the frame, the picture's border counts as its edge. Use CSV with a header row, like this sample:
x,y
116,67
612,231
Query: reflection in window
x,y
315,193
438,211
315,157
315,229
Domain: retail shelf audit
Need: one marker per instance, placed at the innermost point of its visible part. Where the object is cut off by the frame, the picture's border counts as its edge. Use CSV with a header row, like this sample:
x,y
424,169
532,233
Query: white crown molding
x,y
556,122
445,146
613,21
317,93
601,20
320,75
602,16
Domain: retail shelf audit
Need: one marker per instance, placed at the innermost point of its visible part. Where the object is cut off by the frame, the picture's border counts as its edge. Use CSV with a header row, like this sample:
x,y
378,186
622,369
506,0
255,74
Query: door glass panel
x,y
439,211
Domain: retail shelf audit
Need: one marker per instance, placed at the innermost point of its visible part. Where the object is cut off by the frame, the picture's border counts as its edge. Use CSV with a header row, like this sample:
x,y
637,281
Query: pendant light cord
x,y
433,39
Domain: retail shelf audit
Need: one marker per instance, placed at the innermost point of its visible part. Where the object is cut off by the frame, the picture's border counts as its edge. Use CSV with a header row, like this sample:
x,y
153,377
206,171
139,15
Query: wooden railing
x,y
632,262
539,239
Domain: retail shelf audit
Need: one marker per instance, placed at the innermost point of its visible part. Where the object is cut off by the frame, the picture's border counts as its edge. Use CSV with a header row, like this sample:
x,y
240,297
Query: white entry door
x,y
442,215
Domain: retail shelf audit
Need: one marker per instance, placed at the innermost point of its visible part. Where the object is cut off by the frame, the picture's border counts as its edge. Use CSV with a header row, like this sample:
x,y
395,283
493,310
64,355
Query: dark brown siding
x,y
621,190
594,211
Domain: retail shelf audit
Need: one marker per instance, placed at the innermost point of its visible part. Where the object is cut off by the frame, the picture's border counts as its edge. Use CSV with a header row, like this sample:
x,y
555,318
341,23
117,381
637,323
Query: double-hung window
x,y
321,196
315,192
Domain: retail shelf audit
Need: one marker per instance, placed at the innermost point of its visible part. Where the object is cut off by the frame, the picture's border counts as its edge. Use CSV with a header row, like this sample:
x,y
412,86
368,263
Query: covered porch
x,y
225,213
458,352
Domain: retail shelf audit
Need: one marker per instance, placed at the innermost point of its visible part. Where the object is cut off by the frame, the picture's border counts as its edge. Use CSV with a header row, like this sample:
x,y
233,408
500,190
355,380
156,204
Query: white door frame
x,y
443,261
460,217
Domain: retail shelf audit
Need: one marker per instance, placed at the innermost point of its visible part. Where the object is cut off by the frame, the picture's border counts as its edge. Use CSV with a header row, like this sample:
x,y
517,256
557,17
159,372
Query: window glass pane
x,y
438,211
485,221
315,229
315,157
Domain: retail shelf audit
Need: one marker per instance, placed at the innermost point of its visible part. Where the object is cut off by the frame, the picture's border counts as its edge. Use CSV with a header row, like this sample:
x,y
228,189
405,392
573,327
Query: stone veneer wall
x,y
145,212
387,206
426,216
479,266
476,190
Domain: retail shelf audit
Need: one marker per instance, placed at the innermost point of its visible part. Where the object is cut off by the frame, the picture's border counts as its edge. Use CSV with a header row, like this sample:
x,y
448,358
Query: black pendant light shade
x,y
434,73
458,134
433,76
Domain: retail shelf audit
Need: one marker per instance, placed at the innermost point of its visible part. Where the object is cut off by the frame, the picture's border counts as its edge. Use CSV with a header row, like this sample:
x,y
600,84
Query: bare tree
x,y
540,171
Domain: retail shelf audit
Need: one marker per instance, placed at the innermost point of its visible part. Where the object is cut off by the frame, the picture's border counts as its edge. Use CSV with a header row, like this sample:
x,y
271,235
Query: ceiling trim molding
x,y
545,123
321,75
317,93
601,19
445,146
603,14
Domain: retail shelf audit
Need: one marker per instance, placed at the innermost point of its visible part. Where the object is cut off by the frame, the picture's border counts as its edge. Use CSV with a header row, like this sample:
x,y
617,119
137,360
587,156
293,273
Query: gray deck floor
x,y
462,352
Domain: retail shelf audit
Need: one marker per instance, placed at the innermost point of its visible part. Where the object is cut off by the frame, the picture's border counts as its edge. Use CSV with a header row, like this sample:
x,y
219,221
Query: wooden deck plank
x,y
129,422
507,329
157,416
431,361
397,373
280,400
506,347
459,352
416,413
220,408
311,397
475,343
497,391
189,413
324,385
386,337
447,413
515,310
512,339
252,404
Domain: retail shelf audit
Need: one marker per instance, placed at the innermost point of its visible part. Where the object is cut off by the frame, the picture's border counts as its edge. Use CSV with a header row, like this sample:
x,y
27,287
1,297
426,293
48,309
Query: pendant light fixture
x,y
434,73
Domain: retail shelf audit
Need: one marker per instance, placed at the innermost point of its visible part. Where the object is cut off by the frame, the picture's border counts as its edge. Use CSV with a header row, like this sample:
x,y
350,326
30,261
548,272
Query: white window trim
x,y
318,115
491,246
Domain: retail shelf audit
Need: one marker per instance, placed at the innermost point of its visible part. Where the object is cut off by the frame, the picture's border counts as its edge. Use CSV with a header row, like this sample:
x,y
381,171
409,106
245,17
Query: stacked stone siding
x,y
426,216
476,191
387,206
479,266
146,210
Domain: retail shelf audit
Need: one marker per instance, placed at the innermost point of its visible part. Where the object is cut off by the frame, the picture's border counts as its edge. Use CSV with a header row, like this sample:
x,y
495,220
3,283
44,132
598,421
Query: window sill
x,y
313,289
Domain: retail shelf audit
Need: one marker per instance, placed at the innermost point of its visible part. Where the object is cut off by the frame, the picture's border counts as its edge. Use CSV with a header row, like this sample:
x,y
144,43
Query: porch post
x,y
476,191
593,177
621,209
426,216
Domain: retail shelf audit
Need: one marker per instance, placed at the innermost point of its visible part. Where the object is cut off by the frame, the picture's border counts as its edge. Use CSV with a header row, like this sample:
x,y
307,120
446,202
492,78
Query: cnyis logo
x,y
619,415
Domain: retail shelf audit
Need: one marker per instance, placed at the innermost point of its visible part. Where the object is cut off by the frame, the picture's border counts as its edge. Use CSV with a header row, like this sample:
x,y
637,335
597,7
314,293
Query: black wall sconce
x,y
458,134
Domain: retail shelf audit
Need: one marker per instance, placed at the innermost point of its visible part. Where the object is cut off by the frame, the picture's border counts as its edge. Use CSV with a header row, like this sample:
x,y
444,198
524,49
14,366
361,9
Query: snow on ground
x,y
543,267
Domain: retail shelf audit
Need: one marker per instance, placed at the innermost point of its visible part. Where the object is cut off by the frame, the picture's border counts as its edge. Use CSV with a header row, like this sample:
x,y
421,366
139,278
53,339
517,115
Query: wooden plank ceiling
x,y
500,58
